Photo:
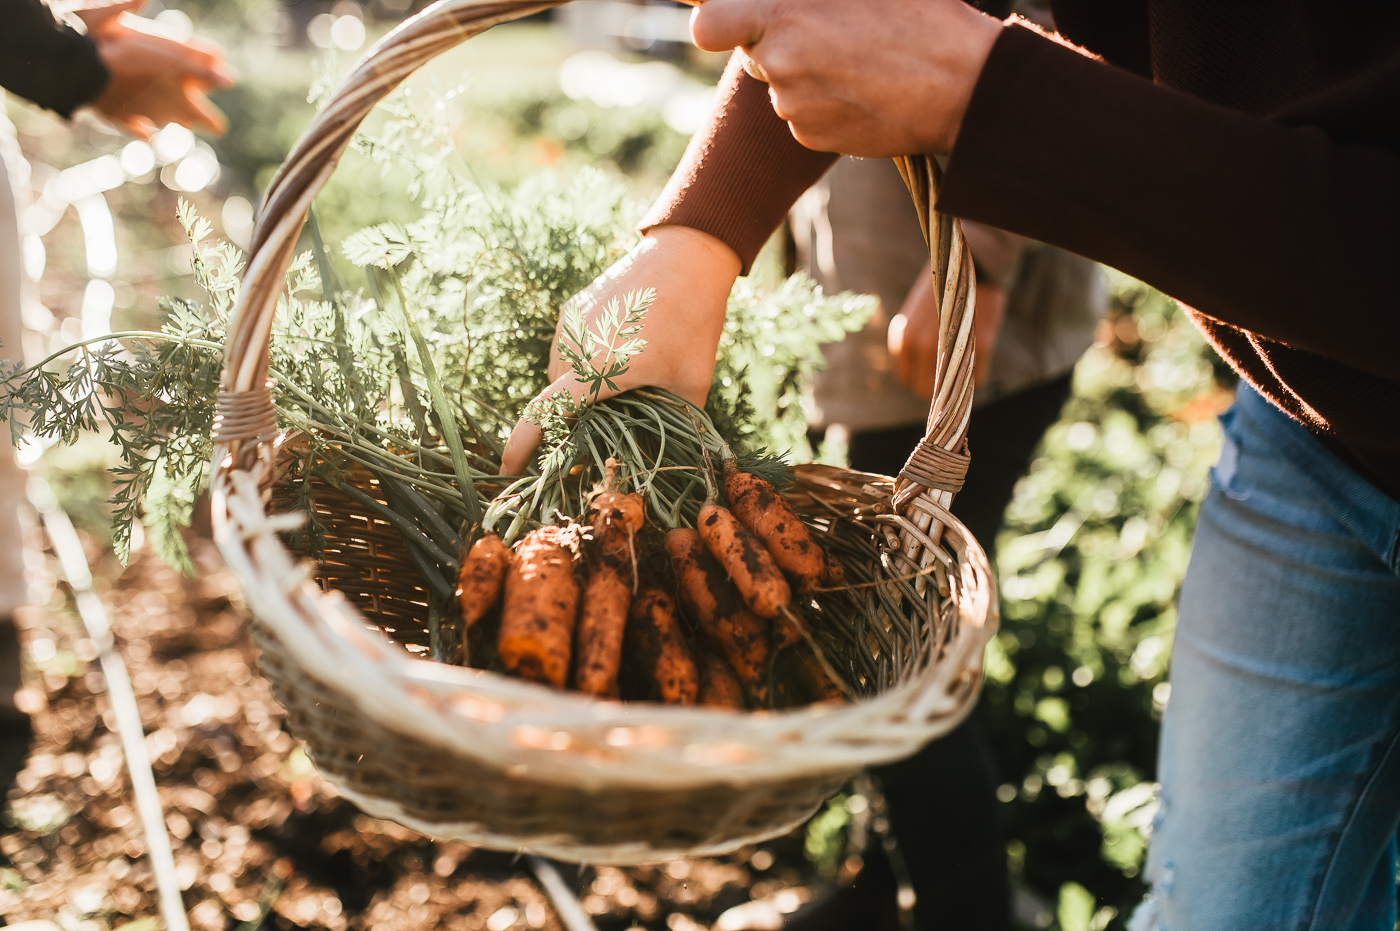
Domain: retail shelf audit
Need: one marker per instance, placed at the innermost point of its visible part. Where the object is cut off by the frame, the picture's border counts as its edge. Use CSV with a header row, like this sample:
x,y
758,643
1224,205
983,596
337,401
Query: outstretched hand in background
x,y
157,75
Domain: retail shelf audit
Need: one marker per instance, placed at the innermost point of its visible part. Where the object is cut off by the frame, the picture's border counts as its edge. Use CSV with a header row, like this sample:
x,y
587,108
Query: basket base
x,y
568,849
450,794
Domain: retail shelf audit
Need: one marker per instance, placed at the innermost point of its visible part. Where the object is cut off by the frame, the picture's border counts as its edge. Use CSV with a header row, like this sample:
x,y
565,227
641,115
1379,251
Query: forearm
x,y
1247,220
45,61
741,173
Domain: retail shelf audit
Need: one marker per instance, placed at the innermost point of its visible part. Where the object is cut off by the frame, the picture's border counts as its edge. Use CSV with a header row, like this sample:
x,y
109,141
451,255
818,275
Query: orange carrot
x,y
606,597
540,609
820,686
718,610
657,646
760,507
746,560
785,632
615,519
718,684
834,575
481,576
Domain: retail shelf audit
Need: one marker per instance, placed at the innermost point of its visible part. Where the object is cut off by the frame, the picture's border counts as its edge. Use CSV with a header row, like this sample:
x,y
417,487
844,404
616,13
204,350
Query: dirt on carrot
x,y
540,608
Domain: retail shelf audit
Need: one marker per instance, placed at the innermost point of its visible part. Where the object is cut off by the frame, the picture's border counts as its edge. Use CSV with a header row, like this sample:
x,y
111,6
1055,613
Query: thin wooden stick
x,y
93,613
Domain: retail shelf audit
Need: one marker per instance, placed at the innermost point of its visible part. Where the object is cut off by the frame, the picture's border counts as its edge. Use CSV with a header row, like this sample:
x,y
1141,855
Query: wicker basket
x,y
504,763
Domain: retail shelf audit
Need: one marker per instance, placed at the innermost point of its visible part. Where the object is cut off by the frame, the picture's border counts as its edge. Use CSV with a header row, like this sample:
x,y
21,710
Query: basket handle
x,y
245,405
939,463
245,415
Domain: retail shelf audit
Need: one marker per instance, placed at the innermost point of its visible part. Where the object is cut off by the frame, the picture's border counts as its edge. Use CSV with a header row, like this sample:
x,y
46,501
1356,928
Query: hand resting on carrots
x,y
692,273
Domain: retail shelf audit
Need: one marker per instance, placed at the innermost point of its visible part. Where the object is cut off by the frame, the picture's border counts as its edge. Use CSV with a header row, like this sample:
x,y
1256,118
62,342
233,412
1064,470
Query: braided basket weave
x,y
504,763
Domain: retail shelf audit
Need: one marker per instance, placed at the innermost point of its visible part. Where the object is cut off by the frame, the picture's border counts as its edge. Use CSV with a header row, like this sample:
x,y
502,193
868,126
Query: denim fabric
x,y
1279,762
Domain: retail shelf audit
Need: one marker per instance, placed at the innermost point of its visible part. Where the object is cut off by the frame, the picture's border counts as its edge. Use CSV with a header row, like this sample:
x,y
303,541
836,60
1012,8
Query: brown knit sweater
x,y
1242,157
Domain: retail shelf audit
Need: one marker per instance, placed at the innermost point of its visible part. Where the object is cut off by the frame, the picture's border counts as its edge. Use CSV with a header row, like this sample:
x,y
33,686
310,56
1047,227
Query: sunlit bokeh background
x,y
1095,543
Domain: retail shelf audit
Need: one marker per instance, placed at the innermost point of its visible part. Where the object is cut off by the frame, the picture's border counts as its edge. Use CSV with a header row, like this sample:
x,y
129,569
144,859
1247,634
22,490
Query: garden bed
x,y
260,840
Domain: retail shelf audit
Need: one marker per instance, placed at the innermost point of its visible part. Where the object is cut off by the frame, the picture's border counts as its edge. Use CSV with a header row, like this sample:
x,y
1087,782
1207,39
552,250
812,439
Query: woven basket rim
x,y
529,732
573,739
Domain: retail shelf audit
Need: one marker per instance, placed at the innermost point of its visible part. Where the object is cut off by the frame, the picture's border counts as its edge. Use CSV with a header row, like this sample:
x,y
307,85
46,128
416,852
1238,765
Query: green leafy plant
x,y
612,340
1092,553
154,391
419,375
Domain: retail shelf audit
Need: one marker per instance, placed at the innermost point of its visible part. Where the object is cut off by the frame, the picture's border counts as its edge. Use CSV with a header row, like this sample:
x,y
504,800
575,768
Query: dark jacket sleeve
x,y
742,171
1119,31
1284,231
45,61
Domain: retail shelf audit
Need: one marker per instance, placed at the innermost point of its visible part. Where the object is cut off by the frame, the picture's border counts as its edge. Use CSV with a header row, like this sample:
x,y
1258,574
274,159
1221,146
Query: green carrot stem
x,y
323,261
444,410
524,513
349,433
410,394
674,404
632,443
432,575
406,528
675,514
661,450
430,513
445,634
441,404
516,525
379,461
711,491
403,498
599,460
662,507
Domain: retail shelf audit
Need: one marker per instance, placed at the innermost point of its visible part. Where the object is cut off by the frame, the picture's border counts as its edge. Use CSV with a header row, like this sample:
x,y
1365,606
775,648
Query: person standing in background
x,y
1241,159
138,76
1037,309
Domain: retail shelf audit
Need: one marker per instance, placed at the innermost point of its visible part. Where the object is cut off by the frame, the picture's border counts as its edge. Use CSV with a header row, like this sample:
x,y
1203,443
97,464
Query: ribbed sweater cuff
x,y
742,171
47,62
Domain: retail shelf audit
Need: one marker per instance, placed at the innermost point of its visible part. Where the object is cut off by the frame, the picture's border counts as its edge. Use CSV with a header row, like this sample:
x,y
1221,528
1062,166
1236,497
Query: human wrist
x,y
965,63
711,254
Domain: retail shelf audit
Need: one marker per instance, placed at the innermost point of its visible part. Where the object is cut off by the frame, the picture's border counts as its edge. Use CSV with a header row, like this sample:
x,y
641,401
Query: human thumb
x,y
528,432
98,13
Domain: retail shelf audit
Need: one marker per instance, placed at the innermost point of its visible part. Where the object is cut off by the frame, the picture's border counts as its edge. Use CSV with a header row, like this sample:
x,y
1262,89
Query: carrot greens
x,y
417,377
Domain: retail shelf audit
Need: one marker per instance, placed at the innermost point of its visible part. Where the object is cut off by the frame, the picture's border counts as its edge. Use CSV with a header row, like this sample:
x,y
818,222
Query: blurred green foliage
x,y
497,98
769,350
824,841
1096,539
1091,555
635,140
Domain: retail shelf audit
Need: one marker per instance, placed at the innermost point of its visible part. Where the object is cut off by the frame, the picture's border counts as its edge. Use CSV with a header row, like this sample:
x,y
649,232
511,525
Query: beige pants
x,y
12,477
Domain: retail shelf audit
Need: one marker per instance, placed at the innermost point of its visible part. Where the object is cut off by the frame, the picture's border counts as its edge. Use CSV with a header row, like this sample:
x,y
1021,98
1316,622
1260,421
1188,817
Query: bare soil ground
x,y
260,840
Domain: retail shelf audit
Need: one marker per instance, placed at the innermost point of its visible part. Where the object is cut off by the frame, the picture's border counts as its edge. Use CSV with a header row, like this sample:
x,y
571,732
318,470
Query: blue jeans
x,y
1280,748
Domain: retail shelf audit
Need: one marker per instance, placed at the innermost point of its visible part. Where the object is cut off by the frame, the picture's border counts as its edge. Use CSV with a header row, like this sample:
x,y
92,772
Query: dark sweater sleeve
x,y
45,61
742,171
1279,230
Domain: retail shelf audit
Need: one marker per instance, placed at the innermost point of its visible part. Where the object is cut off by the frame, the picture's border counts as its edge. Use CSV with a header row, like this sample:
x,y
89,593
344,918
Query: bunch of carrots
x,y
712,615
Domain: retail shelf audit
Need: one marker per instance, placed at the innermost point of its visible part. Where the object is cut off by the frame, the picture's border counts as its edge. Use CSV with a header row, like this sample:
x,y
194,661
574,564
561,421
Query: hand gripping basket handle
x,y
245,418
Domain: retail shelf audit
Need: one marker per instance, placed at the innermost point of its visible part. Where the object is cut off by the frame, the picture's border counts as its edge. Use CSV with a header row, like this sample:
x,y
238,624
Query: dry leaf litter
x,y
260,840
